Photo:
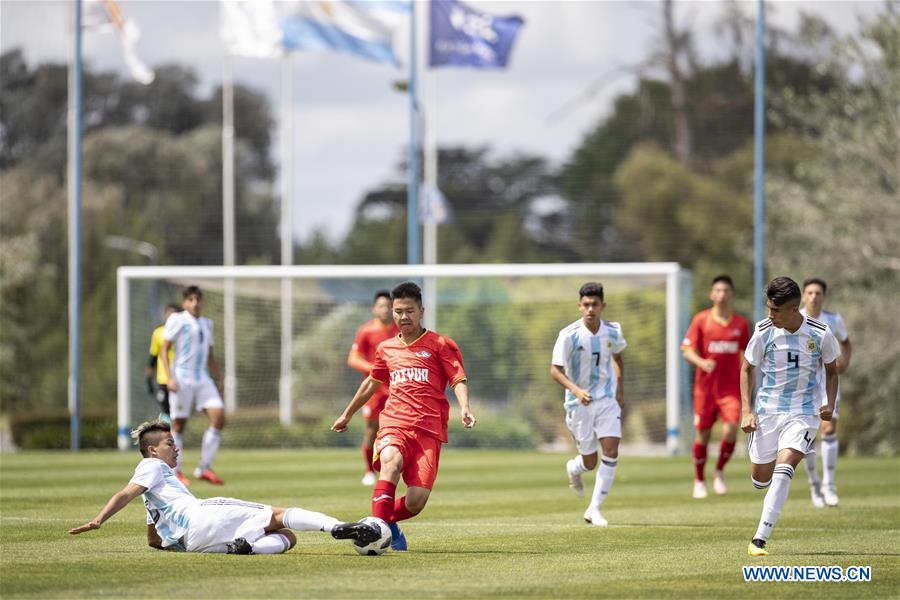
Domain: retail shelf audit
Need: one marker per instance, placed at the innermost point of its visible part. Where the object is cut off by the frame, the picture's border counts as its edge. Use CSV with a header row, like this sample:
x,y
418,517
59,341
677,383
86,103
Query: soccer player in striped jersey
x,y
177,520
190,383
587,363
713,343
419,364
155,367
825,492
791,350
361,356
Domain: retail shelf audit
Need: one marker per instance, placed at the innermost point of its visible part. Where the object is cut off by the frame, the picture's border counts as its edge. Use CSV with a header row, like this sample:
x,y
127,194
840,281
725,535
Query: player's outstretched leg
x,y
815,486
362,532
699,468
829,465
726,449
772,505
605,475
574,469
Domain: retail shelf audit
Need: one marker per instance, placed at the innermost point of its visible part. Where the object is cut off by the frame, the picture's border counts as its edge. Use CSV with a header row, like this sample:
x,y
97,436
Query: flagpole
x,y
412,195
228,242
75,102
285,405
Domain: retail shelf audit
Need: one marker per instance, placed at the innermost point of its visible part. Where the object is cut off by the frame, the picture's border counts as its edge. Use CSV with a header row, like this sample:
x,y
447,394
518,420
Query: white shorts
x,y
218,521
777,432
599,419
203,394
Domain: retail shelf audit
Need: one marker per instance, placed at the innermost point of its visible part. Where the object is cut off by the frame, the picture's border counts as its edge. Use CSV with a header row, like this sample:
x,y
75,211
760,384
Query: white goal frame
x,y
674,275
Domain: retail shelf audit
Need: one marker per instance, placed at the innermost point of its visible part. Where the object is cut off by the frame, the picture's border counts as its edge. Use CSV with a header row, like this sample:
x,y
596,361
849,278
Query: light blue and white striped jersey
x,y
587,358
835,322
193,338
791,364
169,504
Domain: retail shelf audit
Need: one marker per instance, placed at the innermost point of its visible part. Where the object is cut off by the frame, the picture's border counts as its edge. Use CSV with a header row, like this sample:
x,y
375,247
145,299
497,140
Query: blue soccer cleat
x,y
398,540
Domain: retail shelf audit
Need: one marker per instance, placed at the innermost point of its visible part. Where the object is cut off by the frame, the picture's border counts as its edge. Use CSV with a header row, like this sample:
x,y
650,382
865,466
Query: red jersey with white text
x,y
368,336
419,374
724,343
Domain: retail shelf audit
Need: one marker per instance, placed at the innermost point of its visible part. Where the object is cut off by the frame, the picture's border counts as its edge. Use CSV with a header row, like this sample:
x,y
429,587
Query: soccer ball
x,y
379,546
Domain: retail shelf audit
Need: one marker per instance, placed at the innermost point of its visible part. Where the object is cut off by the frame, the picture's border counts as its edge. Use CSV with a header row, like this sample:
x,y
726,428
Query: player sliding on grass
x,y
791,350
177,520
419,364
587,362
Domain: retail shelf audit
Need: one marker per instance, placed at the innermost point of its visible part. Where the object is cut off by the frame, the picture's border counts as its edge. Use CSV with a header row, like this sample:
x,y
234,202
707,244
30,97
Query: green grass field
x,y
500,524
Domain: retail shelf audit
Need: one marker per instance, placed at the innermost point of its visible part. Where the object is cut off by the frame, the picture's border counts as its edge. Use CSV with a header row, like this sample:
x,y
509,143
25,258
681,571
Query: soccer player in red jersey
x,y
419,365
361,356
714,343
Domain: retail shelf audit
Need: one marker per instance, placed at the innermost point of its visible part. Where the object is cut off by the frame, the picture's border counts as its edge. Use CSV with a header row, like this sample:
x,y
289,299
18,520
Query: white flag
x,y
251,28
106,15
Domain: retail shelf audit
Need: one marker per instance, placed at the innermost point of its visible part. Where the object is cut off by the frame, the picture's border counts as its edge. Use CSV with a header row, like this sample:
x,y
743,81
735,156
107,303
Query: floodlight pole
x,y
759,136
285,382
75,102
228,241
412,193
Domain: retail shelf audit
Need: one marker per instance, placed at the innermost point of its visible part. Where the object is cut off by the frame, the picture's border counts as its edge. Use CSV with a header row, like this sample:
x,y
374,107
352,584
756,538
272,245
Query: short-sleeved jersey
x,y
587,358
156,346
791,364
418,374
368,336
169,504
835,322
724,343
193,337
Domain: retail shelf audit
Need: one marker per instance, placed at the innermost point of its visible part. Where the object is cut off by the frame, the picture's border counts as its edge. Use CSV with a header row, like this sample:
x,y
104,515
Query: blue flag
x,y
465,37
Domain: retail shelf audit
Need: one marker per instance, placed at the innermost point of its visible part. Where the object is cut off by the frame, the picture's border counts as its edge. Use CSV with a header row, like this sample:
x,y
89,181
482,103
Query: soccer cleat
x,y
757,548
592,515
239,546
575,482
182,478
209,476
830,496
398,539
361,532
369,478
719,484
815,493
700,490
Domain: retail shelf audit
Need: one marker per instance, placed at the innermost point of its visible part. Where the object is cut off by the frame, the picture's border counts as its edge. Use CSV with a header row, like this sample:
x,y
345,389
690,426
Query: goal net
x,y
282,336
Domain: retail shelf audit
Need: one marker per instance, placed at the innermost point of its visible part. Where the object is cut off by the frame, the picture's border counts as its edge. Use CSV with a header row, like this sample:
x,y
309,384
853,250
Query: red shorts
x,y
727,408
371,410
421,454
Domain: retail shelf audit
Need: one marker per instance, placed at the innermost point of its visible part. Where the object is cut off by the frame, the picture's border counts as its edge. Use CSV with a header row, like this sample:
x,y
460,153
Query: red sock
x,y
383,500
725,452
401,513
369,456
699,460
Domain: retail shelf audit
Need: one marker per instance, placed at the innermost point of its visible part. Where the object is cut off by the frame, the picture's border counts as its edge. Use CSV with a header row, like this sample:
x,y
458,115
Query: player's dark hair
x,y
172,306
816,281
723,279
407,289
781,290
381,294
148,434
591,288
191,290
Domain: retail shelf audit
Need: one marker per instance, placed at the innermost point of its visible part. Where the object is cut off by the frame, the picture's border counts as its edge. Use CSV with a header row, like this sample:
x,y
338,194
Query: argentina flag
x,y
360,27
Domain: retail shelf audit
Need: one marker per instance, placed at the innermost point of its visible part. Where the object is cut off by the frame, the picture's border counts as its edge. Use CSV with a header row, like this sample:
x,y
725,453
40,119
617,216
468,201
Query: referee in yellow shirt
x,y
154,364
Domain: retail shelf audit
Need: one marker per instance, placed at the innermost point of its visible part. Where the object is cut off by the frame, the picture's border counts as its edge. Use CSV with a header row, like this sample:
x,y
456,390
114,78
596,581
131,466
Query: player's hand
x,y
468,419
748,423
708,365
172,385
340,424
583,396
86,527
825,412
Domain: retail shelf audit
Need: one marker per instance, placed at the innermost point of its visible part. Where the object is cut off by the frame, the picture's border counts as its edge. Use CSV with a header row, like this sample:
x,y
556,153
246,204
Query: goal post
x,y
475,304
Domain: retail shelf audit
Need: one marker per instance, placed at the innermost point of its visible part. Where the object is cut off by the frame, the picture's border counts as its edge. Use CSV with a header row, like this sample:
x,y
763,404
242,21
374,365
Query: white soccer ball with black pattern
x,y
379,546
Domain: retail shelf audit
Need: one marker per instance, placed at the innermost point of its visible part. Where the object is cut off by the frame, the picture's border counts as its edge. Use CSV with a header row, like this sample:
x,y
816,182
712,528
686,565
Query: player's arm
x,y
690,354
149,372
355,360
213,365
363,393
831,388
619,369
118,501
558,374
164,357
461,391
748,377
844,360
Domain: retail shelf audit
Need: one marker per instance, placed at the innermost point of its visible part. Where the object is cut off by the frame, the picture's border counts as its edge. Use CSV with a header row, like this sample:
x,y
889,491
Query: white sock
x,y
179,443
774,501
273,543
605,474
812,470
209,448
829,459
576,466
301,519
